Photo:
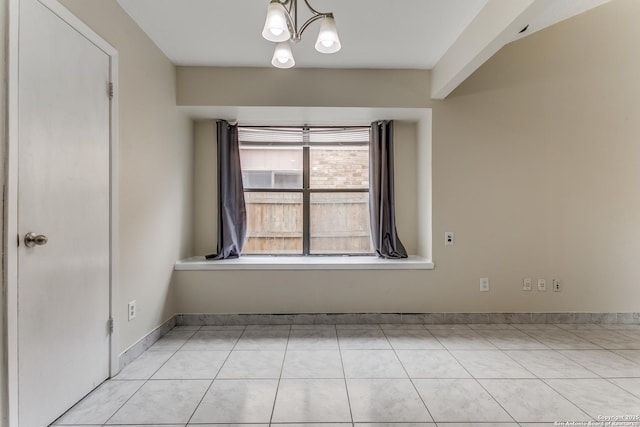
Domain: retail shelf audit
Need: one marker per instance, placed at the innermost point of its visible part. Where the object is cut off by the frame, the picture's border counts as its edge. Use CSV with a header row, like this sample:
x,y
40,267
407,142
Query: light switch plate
x,y
542,285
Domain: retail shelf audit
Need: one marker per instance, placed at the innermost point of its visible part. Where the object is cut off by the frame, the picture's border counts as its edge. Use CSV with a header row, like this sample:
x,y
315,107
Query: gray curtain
x,y
232,213
381,193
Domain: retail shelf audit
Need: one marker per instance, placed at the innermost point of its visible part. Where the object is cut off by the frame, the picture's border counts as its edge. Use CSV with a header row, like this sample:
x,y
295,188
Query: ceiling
x,y
414,34
410,34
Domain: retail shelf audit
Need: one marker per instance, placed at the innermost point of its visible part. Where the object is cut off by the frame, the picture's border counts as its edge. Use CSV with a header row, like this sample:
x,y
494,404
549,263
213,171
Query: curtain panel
x,y
381,192
232,213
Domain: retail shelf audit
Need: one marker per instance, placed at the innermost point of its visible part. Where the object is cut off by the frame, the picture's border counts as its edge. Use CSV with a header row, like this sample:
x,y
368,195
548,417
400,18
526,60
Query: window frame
x,y
306,189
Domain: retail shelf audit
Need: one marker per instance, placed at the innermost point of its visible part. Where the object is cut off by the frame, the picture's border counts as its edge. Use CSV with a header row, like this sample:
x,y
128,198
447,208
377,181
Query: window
x,y
306,190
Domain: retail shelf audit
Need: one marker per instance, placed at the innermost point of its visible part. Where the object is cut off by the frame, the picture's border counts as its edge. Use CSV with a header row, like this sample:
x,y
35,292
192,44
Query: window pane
x,y
340,223
274,223
339,166
256,179
271,167
287,180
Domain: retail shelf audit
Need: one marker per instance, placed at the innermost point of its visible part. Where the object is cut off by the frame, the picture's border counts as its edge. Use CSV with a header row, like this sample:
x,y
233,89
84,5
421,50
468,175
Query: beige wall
x,y
155,170
405,183
535,168
537,164
205,86
205,183
424,184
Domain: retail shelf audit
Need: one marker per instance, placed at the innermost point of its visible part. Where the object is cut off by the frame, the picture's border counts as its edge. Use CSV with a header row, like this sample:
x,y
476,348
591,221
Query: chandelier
x,y
281,26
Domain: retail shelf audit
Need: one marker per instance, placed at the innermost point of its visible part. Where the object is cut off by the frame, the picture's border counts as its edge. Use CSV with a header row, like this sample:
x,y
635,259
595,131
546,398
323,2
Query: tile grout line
x,y
284,357
409,377
477,381
620,387
504,351
567,399
589,340
614,333
216,376
546,347
625,357
145,381
599,350
555,351
344,377
570,333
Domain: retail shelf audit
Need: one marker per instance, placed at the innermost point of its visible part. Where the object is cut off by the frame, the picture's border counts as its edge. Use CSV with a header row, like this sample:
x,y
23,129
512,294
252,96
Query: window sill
x,y
199,263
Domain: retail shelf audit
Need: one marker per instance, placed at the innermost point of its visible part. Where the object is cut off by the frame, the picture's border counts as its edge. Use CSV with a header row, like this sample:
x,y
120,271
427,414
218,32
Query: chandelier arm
x,y
312,20
283,3
293,14
315,12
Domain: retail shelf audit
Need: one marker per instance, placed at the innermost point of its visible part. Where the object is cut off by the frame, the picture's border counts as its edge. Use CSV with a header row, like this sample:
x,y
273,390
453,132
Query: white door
x,y
63,194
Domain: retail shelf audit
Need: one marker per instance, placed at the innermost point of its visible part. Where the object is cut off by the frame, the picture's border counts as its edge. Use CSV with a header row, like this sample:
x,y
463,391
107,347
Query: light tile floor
x,y
374,376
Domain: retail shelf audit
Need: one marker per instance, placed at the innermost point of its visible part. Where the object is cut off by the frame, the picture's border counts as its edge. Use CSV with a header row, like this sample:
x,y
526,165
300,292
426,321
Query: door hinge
x,y
110,90
110,325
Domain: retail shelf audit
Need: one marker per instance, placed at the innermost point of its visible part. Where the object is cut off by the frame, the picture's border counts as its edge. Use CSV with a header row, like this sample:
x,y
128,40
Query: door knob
x,y
32,239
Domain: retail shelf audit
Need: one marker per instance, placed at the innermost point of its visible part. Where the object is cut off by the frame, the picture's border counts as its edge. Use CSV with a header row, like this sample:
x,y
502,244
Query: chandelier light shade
x,y
282,56
281,26
328,40
276,26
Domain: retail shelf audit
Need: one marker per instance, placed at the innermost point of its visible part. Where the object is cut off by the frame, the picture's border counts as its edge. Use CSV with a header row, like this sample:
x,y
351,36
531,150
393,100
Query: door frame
x,y
11,195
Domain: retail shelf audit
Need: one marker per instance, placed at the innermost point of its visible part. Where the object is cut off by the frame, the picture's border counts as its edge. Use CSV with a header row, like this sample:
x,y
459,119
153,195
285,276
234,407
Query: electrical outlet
x,y
557,285
526,284
542,285
484,284
131,310
449,238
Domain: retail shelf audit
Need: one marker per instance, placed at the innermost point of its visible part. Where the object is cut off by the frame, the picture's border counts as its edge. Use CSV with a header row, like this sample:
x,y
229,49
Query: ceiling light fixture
x,y
281,26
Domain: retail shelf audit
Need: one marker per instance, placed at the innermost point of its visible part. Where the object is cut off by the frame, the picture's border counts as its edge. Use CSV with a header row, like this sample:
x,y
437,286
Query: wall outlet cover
x,y
526,284
449,238
131,310
484,284
556,284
